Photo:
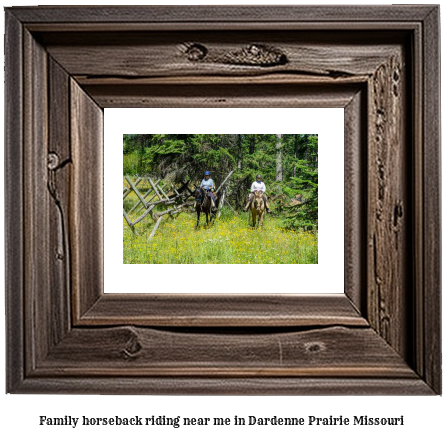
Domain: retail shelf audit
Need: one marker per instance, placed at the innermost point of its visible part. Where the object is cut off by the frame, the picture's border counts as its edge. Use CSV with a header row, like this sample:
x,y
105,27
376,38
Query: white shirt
x,y
258,186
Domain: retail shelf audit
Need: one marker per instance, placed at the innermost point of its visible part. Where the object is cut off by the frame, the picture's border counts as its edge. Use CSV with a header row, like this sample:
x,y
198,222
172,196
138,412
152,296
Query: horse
x,y
258,208
204,204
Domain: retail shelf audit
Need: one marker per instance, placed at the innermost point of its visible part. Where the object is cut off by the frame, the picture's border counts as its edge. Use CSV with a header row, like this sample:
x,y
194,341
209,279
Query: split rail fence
x,y
161,193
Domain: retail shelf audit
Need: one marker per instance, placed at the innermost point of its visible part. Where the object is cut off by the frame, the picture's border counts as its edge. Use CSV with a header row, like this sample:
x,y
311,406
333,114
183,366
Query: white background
x,y
19,413
328,123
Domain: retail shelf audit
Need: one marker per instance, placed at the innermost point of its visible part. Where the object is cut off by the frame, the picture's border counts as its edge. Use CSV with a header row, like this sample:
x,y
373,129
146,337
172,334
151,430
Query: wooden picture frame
x,y
65,64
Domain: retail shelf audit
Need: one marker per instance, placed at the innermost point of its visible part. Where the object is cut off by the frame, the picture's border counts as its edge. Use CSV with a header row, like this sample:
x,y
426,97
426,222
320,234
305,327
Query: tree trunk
x,y
251,144
314,155
279,159
295,153
239,164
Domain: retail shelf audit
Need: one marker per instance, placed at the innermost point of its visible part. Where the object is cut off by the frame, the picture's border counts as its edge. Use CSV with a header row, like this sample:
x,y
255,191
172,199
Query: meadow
x,y
229,240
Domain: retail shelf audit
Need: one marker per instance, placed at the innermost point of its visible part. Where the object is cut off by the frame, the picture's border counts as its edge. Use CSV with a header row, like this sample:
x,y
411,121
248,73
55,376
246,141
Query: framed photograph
x,y
235,253
66,65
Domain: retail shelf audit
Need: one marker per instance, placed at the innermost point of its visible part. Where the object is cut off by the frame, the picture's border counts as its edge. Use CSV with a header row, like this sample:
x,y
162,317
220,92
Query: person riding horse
x,y
208,185
258,185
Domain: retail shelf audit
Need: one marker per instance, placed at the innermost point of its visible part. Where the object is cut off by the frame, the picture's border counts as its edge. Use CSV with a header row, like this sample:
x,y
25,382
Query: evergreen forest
x,y
288,164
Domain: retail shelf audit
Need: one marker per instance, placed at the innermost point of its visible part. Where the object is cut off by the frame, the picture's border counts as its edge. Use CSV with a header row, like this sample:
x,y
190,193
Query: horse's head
x,y
258,200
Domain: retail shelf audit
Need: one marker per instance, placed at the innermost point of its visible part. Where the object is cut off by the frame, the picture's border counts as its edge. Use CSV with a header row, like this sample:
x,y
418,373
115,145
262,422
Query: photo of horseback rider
x,y
184,196
258,185
208,185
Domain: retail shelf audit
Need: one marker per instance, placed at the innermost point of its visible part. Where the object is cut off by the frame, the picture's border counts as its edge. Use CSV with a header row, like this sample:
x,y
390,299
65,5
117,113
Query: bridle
x,y
200,198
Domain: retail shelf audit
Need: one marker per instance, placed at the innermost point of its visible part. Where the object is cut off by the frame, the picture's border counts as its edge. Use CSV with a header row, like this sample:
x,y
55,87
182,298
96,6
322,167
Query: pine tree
x,y
279,159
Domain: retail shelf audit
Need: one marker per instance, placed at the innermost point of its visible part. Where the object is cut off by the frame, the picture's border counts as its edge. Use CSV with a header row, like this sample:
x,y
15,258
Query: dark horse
x,y
203,204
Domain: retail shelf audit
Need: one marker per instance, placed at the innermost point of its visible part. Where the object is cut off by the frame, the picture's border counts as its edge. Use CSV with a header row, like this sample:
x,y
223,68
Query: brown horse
x,y
258,208
203,205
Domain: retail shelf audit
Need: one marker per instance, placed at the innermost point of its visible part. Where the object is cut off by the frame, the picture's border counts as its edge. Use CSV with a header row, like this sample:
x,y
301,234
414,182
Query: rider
x,y
258,185
208,185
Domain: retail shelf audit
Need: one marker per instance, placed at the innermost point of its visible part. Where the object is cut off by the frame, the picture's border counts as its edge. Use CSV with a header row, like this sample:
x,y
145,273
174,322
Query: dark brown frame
x,y
64,65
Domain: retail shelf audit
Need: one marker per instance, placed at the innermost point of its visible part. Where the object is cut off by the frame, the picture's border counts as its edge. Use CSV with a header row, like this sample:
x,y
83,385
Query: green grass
x,y
229,240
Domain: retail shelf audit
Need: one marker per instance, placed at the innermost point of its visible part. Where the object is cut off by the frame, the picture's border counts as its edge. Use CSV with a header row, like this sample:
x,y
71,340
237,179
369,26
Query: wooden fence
x,y
161,193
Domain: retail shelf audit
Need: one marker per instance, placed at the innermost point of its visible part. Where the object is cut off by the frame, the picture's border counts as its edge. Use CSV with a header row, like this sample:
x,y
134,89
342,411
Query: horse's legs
x,y
198,218
254,216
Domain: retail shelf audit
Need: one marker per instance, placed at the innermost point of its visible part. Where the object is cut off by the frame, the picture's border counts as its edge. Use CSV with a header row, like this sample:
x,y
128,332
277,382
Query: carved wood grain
x,y
430,318
226,96
86,209
37,304
128,351
355,186
14,205
263,15
239,310
388,204
107,55
174,385
59,168
54,83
